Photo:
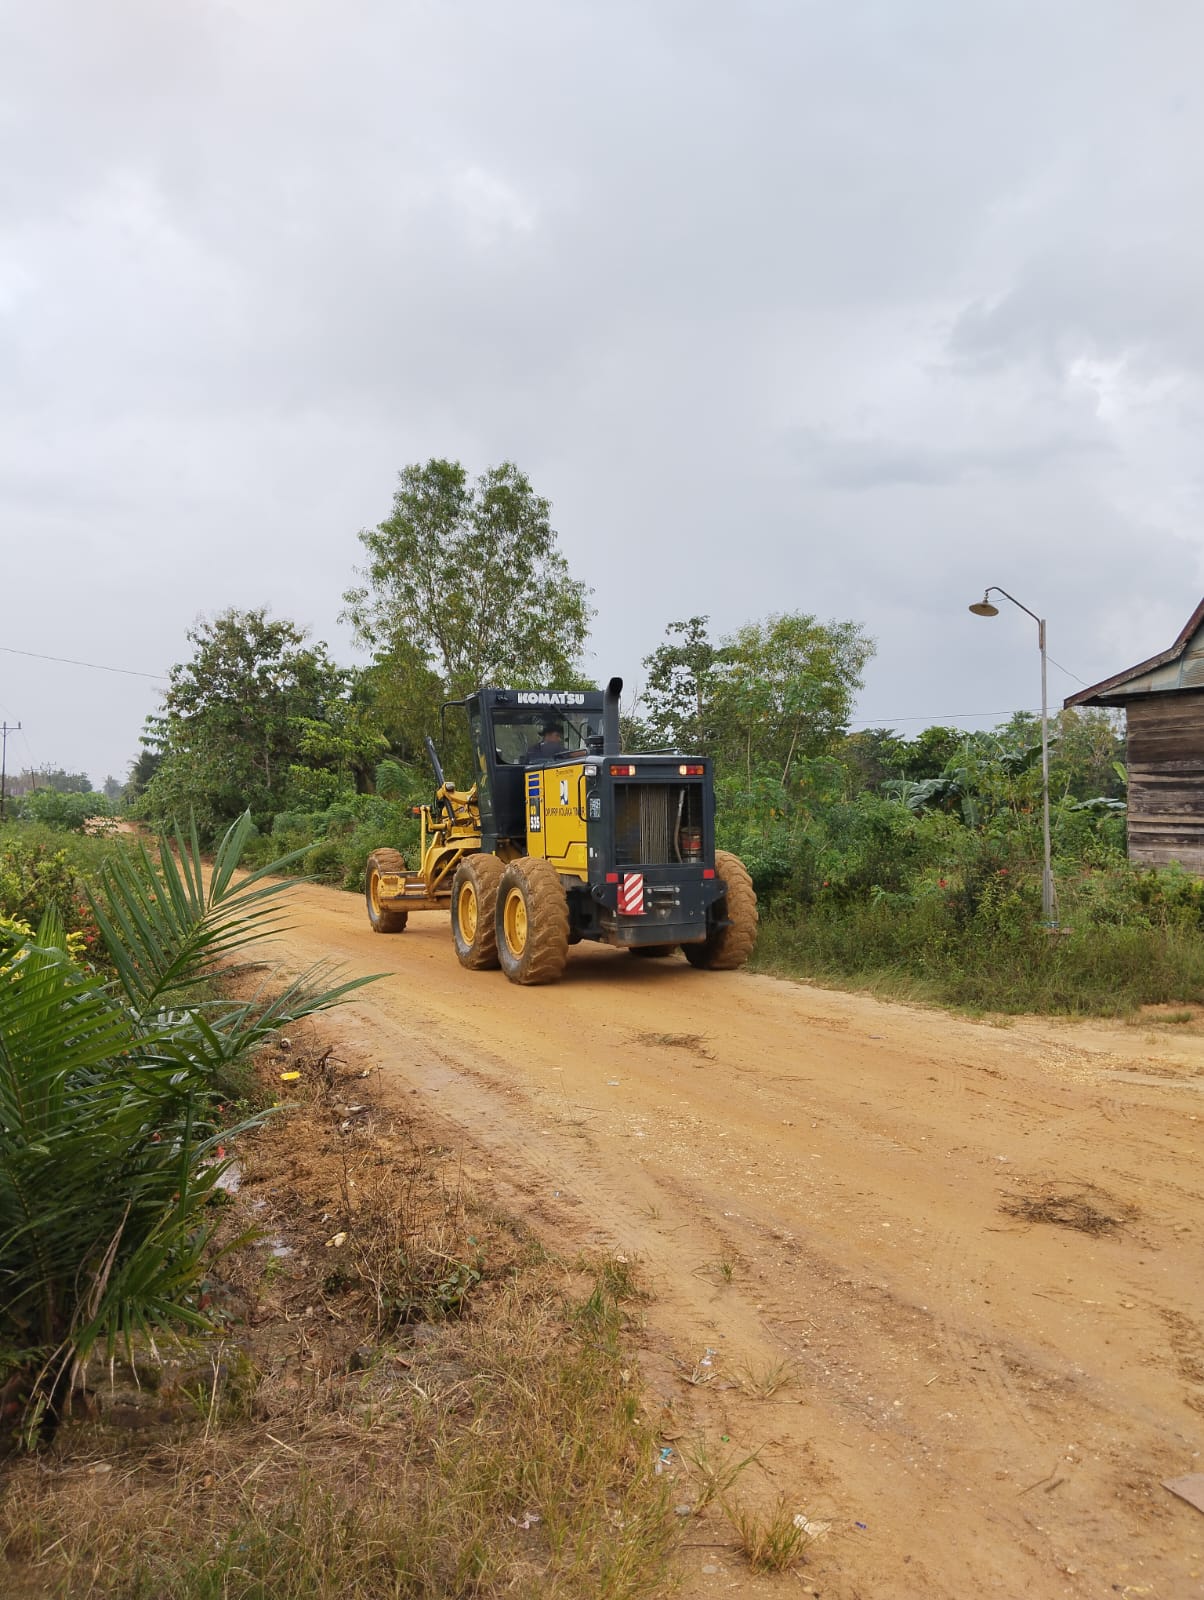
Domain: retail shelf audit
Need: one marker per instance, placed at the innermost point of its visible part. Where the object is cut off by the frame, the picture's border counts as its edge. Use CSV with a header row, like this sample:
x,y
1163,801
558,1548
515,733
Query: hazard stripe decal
x,y
631,895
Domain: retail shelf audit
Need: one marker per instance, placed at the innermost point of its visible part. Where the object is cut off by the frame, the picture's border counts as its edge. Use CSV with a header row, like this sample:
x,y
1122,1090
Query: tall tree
x,y
239,715
683,677
56,778
472,575
764,697
788,688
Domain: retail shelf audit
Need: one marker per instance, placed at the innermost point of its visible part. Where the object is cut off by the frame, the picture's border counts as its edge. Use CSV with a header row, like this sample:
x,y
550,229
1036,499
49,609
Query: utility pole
x,y
5,730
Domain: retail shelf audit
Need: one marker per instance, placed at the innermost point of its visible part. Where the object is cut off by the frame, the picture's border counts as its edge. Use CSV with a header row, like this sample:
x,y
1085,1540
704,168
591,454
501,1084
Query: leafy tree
x,y
56,778
471,577
1086,750
873,755
142,770
769,695
930,752
113,789
401,694
683,677
1086,747
787,689
239,716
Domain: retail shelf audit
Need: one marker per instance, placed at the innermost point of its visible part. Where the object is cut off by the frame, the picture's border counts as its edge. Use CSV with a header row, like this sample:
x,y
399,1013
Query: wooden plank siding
x,y
1166,779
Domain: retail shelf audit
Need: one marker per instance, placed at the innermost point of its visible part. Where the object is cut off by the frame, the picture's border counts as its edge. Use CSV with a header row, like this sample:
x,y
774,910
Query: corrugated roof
x,y
1112,690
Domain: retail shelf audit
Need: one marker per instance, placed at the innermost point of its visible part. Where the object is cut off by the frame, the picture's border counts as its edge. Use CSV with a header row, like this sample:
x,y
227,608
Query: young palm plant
x,y
109,1151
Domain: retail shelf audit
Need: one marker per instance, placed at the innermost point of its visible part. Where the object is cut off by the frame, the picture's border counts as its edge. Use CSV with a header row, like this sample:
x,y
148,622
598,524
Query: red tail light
x,y
693,770
622,772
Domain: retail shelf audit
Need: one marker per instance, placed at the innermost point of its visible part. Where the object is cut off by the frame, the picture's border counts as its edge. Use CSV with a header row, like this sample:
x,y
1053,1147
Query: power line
x,y
966,716
96,666
944,716
1066,670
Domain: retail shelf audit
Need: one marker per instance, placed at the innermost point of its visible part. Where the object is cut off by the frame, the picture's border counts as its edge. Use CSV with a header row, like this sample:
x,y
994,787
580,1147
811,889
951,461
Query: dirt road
x,y
976,1248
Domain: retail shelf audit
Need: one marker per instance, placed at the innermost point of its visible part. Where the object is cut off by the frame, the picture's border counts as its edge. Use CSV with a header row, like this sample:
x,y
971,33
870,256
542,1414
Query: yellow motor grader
x,y
562,837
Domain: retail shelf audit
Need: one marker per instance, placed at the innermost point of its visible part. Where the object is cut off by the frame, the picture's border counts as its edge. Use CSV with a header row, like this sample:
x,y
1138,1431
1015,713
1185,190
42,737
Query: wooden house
x,y
1163,701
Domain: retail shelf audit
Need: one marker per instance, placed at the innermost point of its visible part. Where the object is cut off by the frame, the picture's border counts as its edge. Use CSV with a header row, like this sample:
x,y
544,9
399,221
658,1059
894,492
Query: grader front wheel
x,y
382,918
532,922
474,911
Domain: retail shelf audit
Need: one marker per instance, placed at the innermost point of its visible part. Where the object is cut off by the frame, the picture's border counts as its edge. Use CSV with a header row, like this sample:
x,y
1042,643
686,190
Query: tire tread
x,y
725,949
543,960
384,860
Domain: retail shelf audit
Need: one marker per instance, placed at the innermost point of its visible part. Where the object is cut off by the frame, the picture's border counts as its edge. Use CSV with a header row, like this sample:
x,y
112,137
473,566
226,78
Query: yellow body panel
x,y
556,817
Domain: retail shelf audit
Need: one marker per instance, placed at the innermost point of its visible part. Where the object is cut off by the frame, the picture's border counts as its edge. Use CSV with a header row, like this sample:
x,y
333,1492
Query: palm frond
x,y
165,928
108,1140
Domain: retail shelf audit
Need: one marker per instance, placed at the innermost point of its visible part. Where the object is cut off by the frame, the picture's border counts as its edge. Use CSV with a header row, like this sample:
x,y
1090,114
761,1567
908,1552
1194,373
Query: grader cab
x,y
562,837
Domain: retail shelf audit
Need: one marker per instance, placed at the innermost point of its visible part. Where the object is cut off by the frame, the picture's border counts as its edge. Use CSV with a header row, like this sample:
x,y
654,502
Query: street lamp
x,y
984,608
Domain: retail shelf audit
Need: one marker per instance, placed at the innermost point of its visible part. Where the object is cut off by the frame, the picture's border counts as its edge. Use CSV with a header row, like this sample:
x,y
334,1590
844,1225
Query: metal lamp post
x,y
984,608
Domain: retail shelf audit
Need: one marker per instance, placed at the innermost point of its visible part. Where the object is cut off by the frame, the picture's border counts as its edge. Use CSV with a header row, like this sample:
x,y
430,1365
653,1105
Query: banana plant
x,y
110,1152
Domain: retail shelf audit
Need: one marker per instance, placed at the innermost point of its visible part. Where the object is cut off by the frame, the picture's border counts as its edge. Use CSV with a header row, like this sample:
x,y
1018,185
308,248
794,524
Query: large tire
x,y
382,919
727,948
474,911
532,922
652,952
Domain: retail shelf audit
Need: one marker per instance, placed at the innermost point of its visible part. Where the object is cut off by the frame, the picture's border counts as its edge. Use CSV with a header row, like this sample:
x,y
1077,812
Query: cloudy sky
x,y
848,308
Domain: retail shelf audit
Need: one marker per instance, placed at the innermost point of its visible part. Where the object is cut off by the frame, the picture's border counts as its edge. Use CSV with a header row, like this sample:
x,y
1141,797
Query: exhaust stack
x,y
610,717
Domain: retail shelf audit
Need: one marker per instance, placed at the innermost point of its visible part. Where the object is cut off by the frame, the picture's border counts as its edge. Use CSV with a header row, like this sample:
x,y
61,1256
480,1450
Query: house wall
x,y
1166,779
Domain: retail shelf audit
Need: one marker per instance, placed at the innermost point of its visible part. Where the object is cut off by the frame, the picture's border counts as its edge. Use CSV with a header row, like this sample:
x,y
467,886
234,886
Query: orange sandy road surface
x,y
821,1178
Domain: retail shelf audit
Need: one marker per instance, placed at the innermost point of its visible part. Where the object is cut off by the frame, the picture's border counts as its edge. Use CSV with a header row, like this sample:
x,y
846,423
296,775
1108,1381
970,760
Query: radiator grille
x,y
648,820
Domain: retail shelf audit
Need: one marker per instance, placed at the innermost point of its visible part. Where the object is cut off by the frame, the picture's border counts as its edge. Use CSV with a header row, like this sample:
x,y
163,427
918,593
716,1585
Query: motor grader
x,y
562,840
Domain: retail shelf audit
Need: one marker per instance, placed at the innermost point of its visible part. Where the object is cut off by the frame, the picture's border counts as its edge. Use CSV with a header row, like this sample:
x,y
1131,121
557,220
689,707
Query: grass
x,y
724,1268
713,1475
762,1383
510,1460
910,953
771,1541
434,1408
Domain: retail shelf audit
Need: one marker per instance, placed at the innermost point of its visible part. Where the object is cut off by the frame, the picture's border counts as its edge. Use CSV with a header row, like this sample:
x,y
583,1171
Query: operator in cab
x,y
550,744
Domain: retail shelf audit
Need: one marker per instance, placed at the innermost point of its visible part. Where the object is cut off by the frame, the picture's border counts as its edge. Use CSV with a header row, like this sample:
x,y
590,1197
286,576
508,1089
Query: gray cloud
x,y
854,309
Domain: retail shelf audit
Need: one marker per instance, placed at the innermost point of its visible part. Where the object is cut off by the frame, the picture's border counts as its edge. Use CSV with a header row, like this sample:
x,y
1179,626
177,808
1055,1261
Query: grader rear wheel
x,y
532,922
727,948
383,918
474,911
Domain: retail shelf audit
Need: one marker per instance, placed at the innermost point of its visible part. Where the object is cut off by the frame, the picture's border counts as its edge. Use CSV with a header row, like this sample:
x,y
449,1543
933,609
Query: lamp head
x,y
984,608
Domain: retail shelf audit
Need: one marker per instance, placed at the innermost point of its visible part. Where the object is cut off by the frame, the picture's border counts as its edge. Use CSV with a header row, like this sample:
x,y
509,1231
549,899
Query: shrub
x,y
68,811
109,1150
